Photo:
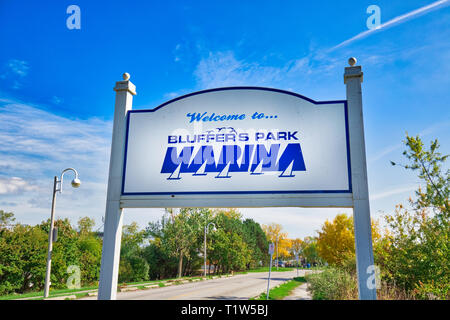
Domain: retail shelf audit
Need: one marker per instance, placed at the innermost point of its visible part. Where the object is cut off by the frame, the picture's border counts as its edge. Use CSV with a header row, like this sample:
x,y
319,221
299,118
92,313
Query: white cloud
x,y
18,67
14,185
171,95
36,145
387,150
436,127
55,100
177,52
16,70
223,68
393,191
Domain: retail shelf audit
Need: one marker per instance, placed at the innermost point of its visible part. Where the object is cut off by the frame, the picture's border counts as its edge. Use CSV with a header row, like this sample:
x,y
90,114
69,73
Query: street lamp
x,y
204,251
57,187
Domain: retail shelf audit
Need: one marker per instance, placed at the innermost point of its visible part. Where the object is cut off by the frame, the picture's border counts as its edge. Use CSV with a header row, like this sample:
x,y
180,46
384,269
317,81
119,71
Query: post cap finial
x,y
126,76
352,61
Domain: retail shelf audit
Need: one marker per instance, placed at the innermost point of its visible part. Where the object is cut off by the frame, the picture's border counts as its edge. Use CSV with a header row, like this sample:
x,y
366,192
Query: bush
x,y
133,268
432,291
332,284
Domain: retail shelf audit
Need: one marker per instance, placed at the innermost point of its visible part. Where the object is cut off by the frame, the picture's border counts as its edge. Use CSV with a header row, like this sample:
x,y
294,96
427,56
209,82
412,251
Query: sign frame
x,y
357,199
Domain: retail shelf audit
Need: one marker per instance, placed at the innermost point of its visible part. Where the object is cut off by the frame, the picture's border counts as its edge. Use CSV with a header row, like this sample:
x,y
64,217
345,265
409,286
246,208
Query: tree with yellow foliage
x,y
296,246
275,235
336,241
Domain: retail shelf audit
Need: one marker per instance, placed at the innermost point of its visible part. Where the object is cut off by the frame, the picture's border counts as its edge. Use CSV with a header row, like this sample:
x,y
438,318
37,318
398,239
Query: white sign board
x,y
238,141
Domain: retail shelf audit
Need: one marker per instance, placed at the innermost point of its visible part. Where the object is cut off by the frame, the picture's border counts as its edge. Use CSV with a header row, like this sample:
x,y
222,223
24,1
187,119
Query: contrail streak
x,y
390,23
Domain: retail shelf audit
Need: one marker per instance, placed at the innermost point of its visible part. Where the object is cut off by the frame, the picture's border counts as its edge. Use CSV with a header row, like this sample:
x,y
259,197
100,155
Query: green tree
x,y
90,248
416,253
256,240
235,245
180,232
310,251
23,256
179,235
133,266
6,219
65,251
228,250
428,163
85,225
296,246
23,251
161,264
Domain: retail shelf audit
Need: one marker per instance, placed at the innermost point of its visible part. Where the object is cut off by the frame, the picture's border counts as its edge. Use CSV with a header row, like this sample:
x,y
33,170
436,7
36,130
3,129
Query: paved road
x,y
238,287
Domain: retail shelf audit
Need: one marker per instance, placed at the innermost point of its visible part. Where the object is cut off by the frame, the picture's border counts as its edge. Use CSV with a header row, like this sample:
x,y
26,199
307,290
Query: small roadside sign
x,y
271,248
271,251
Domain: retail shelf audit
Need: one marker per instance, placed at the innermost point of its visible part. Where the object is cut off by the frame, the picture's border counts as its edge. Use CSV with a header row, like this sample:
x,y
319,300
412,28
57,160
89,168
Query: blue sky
x,y
56,97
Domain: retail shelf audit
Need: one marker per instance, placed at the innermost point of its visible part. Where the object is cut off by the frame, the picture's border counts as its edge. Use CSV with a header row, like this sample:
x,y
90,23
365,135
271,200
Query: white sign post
x,y
238,147
109,270
353,77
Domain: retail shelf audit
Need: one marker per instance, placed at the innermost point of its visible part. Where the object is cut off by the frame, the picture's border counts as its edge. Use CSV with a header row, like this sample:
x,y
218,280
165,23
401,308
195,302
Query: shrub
x,y
432,291
332,284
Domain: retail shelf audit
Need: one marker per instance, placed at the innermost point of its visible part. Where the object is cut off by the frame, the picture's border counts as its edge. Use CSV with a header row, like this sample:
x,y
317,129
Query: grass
x,y
157,281
58,292
283,290
81,295
38,294
265,269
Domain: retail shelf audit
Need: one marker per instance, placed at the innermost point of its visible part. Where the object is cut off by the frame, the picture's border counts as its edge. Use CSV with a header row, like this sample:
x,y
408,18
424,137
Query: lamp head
x,y
76,183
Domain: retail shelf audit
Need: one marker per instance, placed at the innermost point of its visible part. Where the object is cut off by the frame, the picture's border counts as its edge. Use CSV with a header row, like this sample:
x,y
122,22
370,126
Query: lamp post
x,y
204,251
57,187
